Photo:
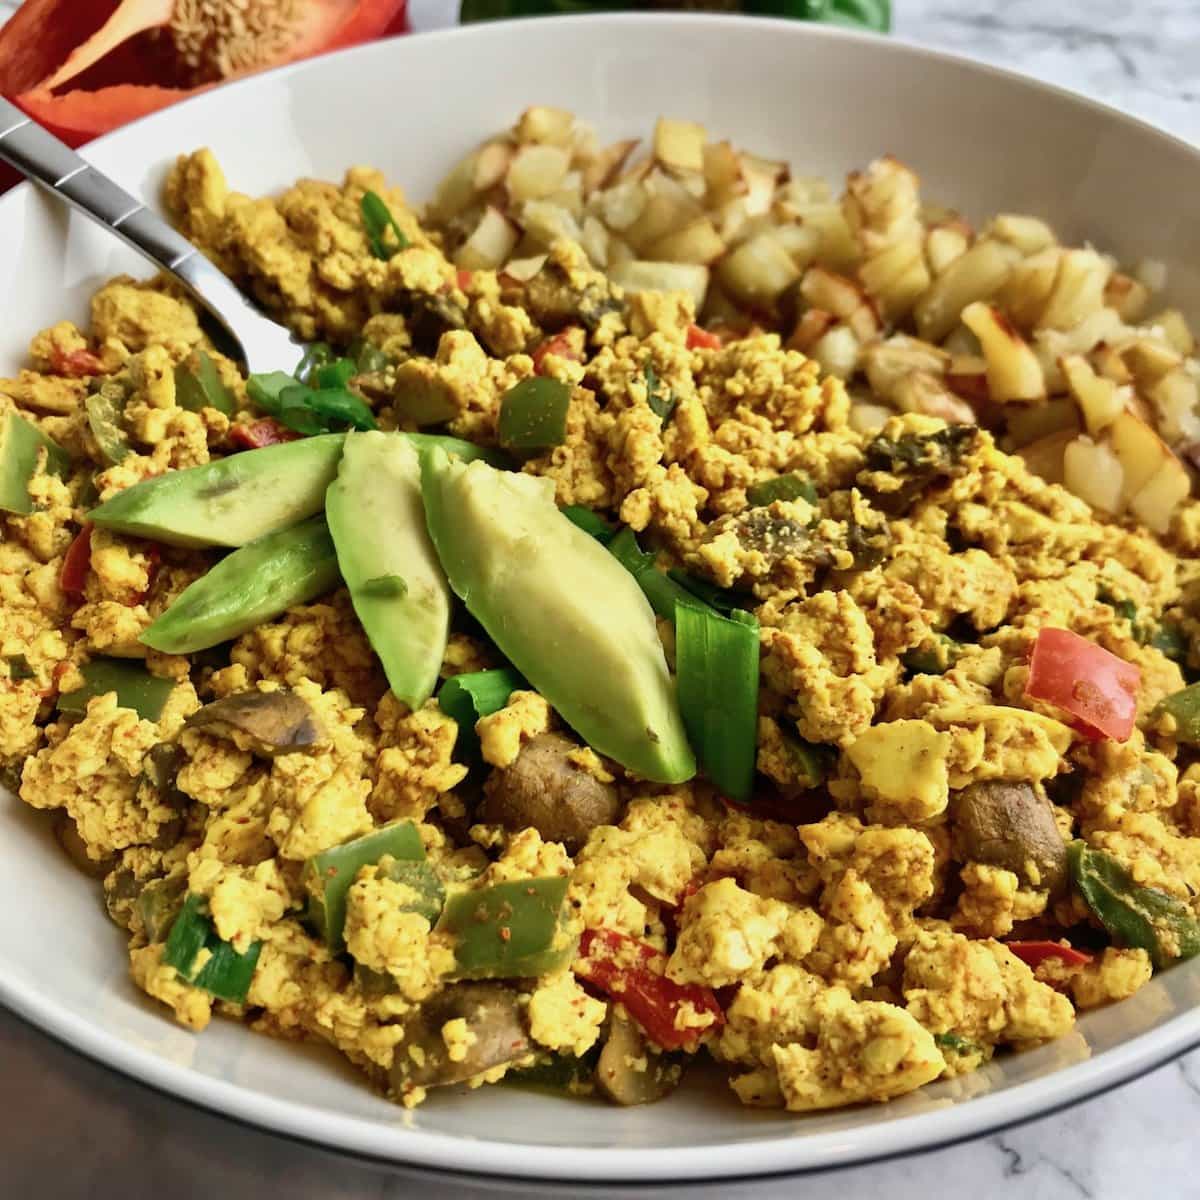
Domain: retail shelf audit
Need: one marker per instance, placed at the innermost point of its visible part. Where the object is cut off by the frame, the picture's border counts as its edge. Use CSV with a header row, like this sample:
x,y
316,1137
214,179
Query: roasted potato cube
x,y
542,125
977,275
1013,370
680,144
1093,472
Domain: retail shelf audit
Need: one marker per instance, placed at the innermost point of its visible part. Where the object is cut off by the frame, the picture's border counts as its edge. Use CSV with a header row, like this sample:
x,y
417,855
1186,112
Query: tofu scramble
x,y
539,686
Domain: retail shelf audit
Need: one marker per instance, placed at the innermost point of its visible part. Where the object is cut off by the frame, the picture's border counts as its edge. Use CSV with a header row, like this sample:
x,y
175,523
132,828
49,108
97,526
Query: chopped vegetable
x,y
328,875
21,445
1170,638
793,486
77,562
310,410
205,960
105,409
377,221
814,762
934,656
716,659
663,592
158,905
135,687
369,357
1033,953
559,345
1184,707
957,1044
1096,687
660,397
702,339
590,522
1136,916
269,723
257,434
201,386
722,599
253,584
558,1072
533,414
632,973
508,930
476,694
428,892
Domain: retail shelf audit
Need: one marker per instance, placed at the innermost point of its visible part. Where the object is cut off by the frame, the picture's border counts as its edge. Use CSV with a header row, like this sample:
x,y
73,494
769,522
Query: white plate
x,y
982,139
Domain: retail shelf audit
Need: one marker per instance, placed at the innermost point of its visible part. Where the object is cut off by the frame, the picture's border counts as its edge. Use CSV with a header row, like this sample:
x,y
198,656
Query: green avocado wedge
x,y
377,520
250,586
21,442
230,501
567,615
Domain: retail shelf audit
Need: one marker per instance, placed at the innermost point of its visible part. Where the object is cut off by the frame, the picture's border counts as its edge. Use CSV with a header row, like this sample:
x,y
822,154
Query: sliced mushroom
x,y
159,770
547,791
279,722
1011,825
495,1023
630,1071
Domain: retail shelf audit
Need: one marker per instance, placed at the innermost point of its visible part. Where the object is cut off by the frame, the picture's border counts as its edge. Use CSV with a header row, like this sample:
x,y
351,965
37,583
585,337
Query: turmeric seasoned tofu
x,y
813,586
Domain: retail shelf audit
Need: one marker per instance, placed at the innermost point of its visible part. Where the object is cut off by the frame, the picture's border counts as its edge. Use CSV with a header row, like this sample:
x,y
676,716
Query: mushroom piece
x,y
66,834
278,722
630,1071
495,1024
1011,825
547,791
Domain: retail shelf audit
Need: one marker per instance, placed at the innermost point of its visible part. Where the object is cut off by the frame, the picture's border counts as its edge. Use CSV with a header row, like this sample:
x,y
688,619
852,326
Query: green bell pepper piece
x,y
429,894
135,687
105,409
1184,706
793,486
201,386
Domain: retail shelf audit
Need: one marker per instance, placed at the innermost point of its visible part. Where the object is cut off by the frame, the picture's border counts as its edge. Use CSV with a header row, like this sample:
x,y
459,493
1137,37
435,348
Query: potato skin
x,y
546,791
1008,824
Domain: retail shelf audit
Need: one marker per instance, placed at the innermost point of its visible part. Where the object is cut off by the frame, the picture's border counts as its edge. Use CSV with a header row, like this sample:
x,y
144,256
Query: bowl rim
x,y
787,1155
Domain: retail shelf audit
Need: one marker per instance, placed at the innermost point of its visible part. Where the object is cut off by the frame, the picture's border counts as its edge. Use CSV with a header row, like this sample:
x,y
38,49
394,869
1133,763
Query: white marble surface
x,y
72,1130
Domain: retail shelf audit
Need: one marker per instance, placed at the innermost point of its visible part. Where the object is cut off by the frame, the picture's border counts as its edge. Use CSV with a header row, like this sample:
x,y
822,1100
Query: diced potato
x,y
839,249
812,326
1013,370
837,352
544,223
888,362
823,288
639,275
524,269
1128,296
621,205
490,244
722,173
602,169
896,276
799,241
1046,456
1028,287
538,125
925,392
680,144
869,418
536,172
758,270
1155,503
1175,330
668,208
1029,423
1099,399
760,175
977,275
619,251
1107,361
1078,289
595,239
456,192
1149,359
1174,398
943,246
1141,451
883,200
1152,273
1093,472
491,165
698,242
1027,234
966,376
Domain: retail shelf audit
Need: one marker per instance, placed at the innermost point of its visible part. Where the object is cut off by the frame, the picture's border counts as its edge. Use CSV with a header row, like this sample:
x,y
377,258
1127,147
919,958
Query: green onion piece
x,y
335,374
793,486
385,585
957,1044
533,414
328,875
1136,916
1184,706
814,762
377,220
315,356
663,592
1170,638
428,893
507,930
716,660
202,387
223,972
105,409
723,600
476,694
135,687
19,668
660,397
590,522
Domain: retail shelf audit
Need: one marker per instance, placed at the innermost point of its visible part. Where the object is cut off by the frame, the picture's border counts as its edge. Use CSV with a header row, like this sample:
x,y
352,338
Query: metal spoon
x,y
41,157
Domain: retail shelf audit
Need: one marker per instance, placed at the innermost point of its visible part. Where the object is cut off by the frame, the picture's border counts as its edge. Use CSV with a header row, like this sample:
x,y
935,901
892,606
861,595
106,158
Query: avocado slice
x,y
570,618
230,501
252,585
399,590
20,442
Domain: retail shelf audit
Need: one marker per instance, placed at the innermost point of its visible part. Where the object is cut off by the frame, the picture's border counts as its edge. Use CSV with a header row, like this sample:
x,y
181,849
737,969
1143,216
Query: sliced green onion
x,y
590,522
470,696
105,409
328,875
202,387
533,414
716,659
377,220
660,397
663,592
385,585
135,687
723,600
793,486
222,971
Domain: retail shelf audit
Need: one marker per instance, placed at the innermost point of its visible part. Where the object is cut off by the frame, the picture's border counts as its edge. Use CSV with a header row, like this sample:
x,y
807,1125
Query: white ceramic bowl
x,y
981,139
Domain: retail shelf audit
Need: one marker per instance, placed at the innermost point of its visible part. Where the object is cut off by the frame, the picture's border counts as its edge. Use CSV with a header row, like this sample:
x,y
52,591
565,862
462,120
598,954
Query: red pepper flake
x,y
1035,953
254,435
77,562
702,339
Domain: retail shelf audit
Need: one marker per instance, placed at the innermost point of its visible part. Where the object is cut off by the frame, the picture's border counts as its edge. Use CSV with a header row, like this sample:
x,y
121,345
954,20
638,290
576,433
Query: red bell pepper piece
x,y
632,972
463,279
1033,953
702,339
77,562
560,344
78,363
264,432
1096,687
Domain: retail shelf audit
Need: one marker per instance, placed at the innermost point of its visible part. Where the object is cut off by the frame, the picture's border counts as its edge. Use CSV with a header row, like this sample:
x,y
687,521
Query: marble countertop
x,y
74,1130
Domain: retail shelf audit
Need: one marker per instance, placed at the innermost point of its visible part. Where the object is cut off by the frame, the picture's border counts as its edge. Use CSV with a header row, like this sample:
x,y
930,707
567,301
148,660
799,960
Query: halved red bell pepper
x,y
1033,953
702,339
1096,687
632,972
77,562
254,435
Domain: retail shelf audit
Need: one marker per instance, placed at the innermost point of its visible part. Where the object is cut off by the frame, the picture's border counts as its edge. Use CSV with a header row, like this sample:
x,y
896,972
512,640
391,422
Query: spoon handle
x,y
41,157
